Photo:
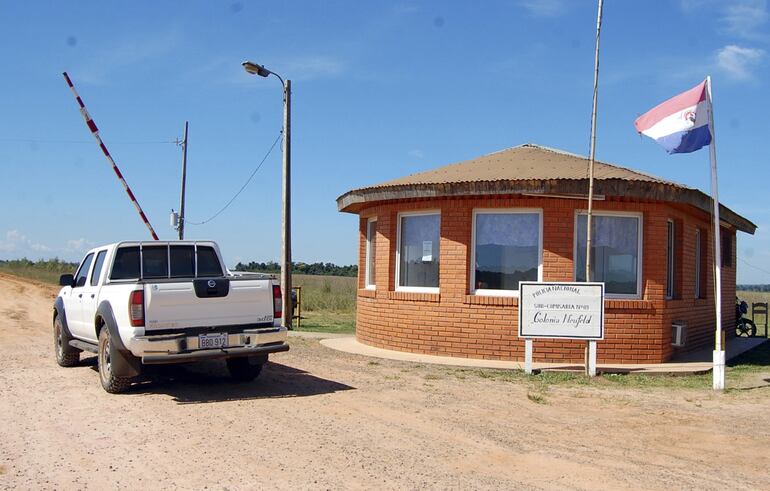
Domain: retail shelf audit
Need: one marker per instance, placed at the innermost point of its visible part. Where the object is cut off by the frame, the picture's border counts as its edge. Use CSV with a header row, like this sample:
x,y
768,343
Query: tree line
x,y
323,269
753,288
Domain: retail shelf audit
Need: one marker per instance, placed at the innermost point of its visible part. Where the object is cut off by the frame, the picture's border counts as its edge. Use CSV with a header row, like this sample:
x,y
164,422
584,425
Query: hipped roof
x,y
533,169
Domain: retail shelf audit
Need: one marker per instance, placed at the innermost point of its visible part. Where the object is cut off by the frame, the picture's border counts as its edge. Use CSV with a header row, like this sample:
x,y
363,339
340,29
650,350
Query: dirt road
x,y
319,419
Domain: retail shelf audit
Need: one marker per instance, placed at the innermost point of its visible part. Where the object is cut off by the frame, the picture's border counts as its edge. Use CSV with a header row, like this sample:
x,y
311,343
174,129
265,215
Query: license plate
x,y
214,340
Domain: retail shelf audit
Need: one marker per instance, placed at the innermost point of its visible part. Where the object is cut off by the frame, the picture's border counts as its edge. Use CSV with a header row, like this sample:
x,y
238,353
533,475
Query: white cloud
x,y
99,65
543,8
416,153
744,18
16,243
78,245
737,62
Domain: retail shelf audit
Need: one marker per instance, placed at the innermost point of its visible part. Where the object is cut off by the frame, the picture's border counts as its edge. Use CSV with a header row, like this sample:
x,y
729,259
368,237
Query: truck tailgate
x,y
177,305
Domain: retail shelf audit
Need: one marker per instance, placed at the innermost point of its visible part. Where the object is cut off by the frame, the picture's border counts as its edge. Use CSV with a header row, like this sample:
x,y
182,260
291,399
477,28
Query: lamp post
x,y
286,303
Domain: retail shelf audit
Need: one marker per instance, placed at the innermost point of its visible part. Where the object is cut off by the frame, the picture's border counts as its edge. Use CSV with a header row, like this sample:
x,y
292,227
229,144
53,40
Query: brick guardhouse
x,y
441,254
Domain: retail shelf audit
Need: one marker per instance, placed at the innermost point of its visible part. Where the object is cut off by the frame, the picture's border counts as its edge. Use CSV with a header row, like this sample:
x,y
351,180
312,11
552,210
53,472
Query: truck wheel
x,y
66,355
244,369
110,382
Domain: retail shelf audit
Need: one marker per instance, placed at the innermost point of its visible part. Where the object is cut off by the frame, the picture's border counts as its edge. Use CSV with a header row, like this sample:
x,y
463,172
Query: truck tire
x,y
66,355
244,369
110,383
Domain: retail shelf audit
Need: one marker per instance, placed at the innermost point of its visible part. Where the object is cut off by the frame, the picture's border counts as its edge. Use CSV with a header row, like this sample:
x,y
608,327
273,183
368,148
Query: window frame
x,y
640,242
698,253
472,263
91,255
368,284
415,289
95,275
670,258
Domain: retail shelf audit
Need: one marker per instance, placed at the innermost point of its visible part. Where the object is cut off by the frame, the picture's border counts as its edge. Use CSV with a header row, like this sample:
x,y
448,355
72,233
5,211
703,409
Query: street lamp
x,y
286,303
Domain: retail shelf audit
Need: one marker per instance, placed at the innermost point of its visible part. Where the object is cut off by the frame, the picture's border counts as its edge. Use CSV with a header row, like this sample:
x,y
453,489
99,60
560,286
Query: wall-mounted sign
x,y
561,310
427,251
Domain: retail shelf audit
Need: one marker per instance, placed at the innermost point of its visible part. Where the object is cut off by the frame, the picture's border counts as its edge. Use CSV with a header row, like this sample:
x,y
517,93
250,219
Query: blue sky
x,y
381,90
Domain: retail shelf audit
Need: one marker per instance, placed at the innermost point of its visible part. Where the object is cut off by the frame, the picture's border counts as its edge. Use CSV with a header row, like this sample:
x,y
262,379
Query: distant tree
x,y
321,269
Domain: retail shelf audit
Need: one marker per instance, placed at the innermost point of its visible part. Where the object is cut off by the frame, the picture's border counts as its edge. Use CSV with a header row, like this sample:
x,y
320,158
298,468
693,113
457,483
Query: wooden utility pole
x,y
184,179
286,208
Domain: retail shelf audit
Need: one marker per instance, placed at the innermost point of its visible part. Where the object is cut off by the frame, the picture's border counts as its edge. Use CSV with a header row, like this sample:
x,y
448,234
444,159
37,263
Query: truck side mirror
x,y
67,280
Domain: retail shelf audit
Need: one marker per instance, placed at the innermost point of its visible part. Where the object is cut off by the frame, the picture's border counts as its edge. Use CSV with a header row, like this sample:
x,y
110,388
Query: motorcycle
x,y
743,326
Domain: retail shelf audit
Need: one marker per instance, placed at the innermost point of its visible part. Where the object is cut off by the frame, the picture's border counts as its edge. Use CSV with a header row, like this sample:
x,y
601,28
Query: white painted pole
x,y
719,353
528,349
591,345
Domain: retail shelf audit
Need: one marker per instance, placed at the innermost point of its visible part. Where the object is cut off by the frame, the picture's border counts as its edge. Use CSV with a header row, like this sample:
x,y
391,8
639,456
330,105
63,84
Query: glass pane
x,y
182,261
507,249
98,268
80,278
208,262
126,265
614,252
371,271
155,261
419,251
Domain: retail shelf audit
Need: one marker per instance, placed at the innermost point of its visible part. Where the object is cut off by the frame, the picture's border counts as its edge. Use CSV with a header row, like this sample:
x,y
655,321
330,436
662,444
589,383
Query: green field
x,y
47,271
755,297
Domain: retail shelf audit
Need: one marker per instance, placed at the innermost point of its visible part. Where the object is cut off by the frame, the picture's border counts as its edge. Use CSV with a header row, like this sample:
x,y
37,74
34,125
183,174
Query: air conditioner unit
x,y
678,333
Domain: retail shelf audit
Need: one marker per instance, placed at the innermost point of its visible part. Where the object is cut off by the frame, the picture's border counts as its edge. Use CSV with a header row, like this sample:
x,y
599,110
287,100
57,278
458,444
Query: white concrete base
x,y
351,345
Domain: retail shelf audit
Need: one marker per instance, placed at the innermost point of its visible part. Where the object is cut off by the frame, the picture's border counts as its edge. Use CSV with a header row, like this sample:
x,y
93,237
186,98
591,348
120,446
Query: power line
x,y
39,140
755,267
280,134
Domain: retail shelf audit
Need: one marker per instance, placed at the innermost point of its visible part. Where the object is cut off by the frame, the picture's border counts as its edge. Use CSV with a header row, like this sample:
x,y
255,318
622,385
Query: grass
x,y
325,321
756,361
47,271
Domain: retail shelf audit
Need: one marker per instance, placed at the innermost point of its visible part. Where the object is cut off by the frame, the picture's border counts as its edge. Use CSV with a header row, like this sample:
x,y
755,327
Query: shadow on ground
x,y
208,382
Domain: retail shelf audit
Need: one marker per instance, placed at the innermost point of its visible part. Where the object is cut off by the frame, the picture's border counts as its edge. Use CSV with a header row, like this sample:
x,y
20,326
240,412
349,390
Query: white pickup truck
x,y
144,303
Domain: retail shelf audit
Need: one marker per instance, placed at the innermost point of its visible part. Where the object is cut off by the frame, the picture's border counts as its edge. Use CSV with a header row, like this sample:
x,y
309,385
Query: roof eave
x,y
353,201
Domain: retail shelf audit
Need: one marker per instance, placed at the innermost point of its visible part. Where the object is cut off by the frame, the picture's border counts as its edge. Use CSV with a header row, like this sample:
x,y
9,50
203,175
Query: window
x,y
208,262
126,264
727,249
417,266
371,270
507,248
670,261
155,262
98,268
698,290
82,274
176,261
616,243
182,259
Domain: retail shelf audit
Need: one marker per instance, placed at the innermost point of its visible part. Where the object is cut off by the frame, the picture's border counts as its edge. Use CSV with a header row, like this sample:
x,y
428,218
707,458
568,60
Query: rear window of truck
x,y
176,261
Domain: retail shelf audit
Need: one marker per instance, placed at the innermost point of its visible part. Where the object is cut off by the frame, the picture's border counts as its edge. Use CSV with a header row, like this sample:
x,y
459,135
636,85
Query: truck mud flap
x,y
124,364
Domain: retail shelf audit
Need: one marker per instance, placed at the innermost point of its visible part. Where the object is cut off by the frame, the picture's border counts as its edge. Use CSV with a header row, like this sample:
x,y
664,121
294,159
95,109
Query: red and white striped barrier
x,y
95,131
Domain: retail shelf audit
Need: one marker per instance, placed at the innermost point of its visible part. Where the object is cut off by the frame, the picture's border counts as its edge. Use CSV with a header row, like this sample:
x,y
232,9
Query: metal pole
x,y
286,208
719,353
184,179
590,351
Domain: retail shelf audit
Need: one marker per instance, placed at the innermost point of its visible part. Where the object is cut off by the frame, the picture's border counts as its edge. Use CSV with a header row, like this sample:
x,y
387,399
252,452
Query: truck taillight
x,y
277,302
136,308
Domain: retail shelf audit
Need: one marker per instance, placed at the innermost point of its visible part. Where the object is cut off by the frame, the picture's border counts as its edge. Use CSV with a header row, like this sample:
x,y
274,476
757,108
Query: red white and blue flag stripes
x,y
95,132
680,124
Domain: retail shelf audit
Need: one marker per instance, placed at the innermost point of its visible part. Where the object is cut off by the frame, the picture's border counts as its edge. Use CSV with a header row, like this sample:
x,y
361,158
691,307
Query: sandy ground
x,y
320,419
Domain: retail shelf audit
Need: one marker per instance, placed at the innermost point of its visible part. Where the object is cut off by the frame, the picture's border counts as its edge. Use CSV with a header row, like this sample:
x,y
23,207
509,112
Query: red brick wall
x,y
455,322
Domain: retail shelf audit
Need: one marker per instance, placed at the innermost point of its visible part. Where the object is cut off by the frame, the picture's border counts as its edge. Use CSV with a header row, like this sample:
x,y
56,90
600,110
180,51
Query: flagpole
x,y
719,353
590,353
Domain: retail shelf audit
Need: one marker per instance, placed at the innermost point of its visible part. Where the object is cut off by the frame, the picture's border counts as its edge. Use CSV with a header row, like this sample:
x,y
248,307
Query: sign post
x,y
557,310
